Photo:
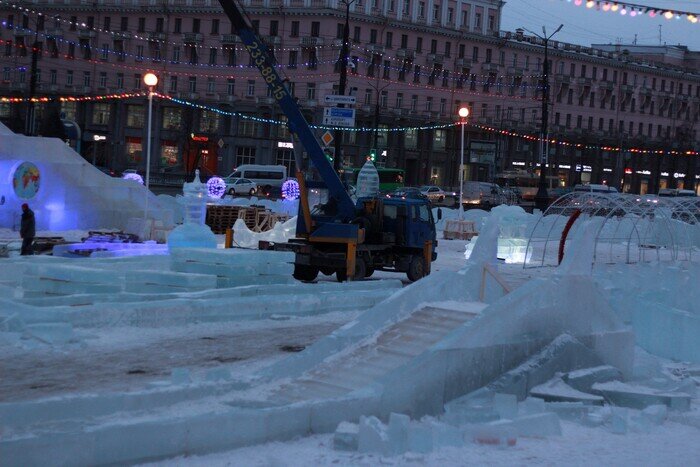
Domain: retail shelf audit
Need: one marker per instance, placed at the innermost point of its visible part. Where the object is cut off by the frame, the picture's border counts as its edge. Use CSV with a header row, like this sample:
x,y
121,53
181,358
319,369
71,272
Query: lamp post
x,y
463,113
344,50
151,80
542,198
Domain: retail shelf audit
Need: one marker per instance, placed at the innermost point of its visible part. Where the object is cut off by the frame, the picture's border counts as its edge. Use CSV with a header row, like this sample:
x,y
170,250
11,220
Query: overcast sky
x,y
583,26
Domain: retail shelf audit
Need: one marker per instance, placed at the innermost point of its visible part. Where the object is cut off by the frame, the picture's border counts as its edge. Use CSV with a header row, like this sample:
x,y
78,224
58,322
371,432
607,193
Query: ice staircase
x,y
377,356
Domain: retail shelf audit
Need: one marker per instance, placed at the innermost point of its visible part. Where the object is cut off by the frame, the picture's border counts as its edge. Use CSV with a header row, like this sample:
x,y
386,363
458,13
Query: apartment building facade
x,y
412,65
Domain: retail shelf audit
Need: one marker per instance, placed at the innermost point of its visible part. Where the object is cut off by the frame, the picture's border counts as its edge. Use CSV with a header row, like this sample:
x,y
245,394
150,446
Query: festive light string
x,y
636,10
490,129
117,35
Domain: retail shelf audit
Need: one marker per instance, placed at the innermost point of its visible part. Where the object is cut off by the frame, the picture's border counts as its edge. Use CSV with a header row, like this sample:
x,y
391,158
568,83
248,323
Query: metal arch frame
x,y
643,211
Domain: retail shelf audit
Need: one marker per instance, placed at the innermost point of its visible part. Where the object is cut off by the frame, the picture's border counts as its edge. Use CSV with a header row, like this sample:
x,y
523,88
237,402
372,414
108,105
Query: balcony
x,y
156,36
562,79
192,38
308,103
311,41
400,112
272,40
585,82
85,89
265,101
626,88
121,35
606,85
515,71
490,67
54,32
188,95
18,86
230,39
407,54
434,59
21,32
463,63
376,49
337,43
86,34
231,98
367,109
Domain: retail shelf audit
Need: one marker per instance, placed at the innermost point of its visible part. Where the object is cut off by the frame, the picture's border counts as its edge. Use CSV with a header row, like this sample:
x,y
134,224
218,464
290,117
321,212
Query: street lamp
x,y
151,80
463,114
542,198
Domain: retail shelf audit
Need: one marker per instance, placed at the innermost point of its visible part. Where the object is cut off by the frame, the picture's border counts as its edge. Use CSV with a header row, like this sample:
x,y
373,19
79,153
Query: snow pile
x,y
245,238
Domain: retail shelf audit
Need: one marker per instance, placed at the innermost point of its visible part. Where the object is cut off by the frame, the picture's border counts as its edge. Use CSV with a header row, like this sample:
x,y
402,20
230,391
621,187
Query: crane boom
x,y
298,125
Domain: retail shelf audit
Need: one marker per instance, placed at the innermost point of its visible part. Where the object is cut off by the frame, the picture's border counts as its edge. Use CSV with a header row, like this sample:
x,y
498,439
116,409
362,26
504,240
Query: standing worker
x,y
28,230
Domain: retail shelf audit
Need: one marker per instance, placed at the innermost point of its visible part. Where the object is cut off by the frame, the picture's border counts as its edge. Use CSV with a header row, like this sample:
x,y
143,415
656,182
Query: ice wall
x,y
72,193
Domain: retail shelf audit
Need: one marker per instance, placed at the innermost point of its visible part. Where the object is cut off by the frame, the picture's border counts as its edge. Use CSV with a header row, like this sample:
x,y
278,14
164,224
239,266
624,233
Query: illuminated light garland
x,y
133,176
270,121
16,100
117,34
638,10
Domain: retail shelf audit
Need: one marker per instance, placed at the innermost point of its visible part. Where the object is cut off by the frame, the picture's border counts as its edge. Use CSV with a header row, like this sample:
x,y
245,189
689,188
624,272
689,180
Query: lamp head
x,y
463,112
150,79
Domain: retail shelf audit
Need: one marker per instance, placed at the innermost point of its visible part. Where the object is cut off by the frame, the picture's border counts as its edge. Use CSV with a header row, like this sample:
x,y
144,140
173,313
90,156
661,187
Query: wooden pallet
x,y
459,230
256,218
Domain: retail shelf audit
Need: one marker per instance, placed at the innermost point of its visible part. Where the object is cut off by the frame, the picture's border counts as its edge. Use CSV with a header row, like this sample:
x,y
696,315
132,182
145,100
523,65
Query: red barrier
x,y
565,233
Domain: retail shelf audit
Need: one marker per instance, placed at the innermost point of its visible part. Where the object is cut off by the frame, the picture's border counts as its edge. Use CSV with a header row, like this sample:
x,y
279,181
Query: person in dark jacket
x,y
27,230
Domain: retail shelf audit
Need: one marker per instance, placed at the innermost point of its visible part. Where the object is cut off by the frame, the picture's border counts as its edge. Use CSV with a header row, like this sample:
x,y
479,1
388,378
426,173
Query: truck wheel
x,y
360,271
416,269
304,273
327,271
369,272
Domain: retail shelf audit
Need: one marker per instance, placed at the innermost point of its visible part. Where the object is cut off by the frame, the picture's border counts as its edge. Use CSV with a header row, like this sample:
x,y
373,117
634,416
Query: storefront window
x,y
172,118
439,140
135,117
285,157
169,154
208,122
411,139
100,114
133,150
69,110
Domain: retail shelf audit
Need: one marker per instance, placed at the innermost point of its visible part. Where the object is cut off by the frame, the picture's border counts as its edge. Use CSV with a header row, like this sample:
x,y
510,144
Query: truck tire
x,y
416,268
305,273
369,272
360,271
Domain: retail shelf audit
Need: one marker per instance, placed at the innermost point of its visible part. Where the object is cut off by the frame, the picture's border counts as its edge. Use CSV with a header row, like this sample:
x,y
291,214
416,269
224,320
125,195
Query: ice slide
x,y
65,191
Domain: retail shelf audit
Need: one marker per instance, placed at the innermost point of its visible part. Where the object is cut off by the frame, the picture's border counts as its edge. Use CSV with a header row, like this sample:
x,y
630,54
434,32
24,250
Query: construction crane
x,y
342,237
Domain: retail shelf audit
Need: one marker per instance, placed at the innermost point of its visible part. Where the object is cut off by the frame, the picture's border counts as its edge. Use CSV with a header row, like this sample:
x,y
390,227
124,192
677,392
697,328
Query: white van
x,y
482,194
594,188
264,176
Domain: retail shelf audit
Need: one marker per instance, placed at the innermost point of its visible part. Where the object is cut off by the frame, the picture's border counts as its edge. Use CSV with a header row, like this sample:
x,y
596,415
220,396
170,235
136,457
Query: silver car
x,y
241,186
433,193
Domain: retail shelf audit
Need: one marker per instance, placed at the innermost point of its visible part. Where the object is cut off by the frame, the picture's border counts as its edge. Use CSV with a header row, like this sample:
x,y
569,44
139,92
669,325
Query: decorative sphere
x,y
216,187
464,112
132,176
290,189
150,79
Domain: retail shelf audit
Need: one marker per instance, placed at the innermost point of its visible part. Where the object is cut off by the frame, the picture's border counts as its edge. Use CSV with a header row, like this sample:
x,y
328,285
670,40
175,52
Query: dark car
x,y
407,193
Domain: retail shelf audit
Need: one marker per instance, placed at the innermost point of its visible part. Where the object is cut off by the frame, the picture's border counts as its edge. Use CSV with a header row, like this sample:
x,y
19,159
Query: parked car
x,y
406,193
433,193
241,186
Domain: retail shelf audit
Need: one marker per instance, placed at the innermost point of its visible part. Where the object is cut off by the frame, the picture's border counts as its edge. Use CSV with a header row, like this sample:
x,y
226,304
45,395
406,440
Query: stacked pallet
x,y
459,230
256,218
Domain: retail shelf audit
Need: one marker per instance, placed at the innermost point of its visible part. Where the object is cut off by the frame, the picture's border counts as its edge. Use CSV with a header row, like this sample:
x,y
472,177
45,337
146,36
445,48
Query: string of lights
x,y
270,121
637,10
118,35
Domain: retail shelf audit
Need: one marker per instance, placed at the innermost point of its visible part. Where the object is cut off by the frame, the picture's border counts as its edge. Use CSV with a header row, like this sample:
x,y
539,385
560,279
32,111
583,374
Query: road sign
x,y
221,143
336,116
327,138
334,99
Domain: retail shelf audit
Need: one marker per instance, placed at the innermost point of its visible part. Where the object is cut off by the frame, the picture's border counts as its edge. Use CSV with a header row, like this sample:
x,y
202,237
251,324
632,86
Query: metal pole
x,y
541,198
344,50
148,140
29,126
461,176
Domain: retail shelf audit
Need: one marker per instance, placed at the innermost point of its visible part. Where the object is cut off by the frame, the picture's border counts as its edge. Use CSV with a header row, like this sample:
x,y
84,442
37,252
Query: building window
x,y
399,100
421,10
246,127
250,91
86,78
103,79
293,54
135,116
169,154
139,53
411,139
176,54
439,139
231,86
245,155
172,118
311,91
193,84
286,158
120,80
212,56
215,26
173,84
208,121
53,77
211,85
133,150
137,81
195,25
104,52
69,78
294,32
100,113
178,26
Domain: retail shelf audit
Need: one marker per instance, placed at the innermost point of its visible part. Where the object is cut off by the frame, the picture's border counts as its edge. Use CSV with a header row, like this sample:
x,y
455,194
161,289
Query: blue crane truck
x,y
342,237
